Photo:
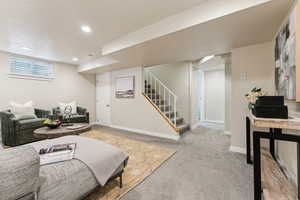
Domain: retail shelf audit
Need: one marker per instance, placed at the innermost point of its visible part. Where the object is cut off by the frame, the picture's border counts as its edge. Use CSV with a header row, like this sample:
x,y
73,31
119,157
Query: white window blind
x,y
26,67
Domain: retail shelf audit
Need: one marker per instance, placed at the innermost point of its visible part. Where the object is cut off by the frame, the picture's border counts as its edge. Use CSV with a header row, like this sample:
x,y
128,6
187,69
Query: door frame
x,y
203,88
98,95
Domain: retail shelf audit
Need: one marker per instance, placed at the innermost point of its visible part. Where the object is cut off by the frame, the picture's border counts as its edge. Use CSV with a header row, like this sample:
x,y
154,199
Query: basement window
x,y
27,68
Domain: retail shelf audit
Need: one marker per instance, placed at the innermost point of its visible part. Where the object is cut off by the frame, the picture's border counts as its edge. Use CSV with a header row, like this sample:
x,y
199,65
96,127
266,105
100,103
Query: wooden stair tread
x,y
275,185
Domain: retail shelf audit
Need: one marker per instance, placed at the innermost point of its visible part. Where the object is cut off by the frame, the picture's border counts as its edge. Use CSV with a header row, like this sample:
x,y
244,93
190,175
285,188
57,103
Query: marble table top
x,y
293,123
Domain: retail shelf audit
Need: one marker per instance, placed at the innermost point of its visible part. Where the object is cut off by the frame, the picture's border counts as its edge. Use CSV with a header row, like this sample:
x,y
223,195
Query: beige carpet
x,y
144,159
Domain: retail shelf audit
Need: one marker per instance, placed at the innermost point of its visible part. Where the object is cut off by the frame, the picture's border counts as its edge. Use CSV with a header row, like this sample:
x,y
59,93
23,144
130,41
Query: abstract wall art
x,y
287,57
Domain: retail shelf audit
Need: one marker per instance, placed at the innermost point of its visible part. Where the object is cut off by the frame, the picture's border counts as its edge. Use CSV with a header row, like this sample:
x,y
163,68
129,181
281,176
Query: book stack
x,y
57,153
270,107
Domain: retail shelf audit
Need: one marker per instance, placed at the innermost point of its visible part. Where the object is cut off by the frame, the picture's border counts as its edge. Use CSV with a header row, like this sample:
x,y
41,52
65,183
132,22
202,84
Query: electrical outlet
x,y
243,76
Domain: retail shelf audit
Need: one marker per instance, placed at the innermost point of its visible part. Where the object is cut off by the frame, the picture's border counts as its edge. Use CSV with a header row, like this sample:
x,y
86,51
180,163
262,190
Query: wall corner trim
x,y
144,132
237,149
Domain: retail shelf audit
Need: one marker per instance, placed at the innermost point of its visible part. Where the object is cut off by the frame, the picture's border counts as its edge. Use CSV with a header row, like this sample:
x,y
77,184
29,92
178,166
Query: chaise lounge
x,y
22,177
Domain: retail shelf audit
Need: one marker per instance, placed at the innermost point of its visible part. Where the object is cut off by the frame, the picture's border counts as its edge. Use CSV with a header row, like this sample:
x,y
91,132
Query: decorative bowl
x,y
52,124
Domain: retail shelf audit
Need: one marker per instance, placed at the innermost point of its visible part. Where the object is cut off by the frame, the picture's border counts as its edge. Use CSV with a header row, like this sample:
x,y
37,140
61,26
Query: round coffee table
x,y
48,133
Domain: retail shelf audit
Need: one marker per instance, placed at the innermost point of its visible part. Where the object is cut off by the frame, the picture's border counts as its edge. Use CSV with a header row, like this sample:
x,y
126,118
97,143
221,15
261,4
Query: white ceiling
x,y
251,26
206,11
51,28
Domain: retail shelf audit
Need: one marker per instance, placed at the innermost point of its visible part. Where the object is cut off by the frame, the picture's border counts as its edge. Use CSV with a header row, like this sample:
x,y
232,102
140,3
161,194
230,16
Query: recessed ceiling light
x,y
86,29
207,58
75,59
25,48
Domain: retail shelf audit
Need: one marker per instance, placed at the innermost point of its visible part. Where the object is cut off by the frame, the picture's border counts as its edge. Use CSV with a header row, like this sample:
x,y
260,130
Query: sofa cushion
x,y
66,180
78,118
72,105
31,123
23,111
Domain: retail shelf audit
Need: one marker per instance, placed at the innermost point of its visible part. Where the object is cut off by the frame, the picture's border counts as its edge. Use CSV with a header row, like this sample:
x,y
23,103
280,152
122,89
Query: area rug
x,y
144,159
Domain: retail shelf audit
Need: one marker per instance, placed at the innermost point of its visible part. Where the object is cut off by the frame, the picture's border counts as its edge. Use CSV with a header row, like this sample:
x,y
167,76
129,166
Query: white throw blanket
x,y
102,159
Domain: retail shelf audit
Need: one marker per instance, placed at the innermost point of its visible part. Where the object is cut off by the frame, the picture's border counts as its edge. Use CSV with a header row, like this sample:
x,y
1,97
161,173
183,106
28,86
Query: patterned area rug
x,y
144,159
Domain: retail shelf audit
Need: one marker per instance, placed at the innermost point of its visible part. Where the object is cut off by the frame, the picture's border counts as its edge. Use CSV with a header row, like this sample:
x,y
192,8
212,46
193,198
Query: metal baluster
x,y
164,100
145,80
151,95
148,83
170,104
158,93
175,101
155,89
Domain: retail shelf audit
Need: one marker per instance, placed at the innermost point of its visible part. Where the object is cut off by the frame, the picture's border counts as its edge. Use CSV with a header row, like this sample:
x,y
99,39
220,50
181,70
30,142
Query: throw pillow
x,y
73,105
23,111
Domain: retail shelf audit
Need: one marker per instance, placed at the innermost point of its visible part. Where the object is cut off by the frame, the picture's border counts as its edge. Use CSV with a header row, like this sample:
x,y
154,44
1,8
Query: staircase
x,y
164,101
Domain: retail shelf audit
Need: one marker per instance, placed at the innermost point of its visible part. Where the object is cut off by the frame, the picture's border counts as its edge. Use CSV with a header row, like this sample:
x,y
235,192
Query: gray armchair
x,y
16,132
82,115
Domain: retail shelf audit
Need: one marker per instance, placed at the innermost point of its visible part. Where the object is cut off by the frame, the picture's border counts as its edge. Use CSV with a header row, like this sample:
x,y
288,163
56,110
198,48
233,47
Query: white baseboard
x,y
227,133
99,123
237,149
94,123
212,121
194,126
199,123
144,132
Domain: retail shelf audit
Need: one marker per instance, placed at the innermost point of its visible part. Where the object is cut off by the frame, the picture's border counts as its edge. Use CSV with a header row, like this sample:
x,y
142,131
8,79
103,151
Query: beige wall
x,y
67,86
257,62
137,114
176,77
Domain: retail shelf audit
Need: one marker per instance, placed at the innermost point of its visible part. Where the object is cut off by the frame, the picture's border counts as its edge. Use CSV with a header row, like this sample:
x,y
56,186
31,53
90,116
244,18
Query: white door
x,y
201,106
214,96
103,98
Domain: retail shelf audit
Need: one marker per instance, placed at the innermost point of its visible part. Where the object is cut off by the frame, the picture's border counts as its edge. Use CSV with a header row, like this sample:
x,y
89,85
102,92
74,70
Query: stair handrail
x,y
170,91
149,76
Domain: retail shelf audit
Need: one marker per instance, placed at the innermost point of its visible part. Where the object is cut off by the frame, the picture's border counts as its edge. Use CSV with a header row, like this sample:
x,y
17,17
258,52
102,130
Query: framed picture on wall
x,y
286,60
125,87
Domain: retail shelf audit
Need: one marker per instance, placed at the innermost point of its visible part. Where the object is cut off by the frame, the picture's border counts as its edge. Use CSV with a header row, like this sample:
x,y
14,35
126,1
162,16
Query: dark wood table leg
x,y
272,143
256,166
298,166
248,141
121,180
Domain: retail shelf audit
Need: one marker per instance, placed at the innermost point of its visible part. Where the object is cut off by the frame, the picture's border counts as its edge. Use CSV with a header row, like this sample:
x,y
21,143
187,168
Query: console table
x,y
275,127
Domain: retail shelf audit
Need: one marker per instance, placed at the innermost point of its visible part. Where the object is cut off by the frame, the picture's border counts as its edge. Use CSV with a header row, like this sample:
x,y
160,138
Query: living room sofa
x,y
16,132
82,115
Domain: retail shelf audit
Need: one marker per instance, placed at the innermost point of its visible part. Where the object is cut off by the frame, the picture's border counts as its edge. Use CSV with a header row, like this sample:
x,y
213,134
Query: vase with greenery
x,y
253,94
